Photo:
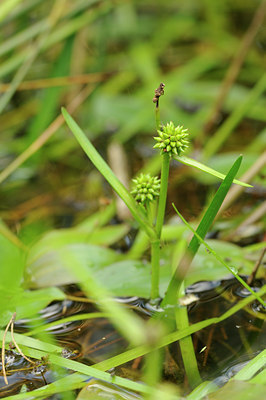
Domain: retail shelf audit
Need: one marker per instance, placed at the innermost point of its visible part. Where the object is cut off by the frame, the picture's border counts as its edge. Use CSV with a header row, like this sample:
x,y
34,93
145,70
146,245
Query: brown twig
x,y
255,269
236,64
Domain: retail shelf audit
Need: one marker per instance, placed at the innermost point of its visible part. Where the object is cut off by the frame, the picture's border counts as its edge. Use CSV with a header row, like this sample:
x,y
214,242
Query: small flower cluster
x,y
172,139
146,188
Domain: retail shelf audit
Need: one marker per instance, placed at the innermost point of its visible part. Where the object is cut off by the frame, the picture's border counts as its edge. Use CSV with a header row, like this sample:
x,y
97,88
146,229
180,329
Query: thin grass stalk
x,y
155,269
155,244
186,345
152,371
163,193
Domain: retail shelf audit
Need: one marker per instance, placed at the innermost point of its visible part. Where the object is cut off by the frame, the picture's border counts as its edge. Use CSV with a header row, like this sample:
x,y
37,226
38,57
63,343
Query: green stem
x,y
186,345
155,258
155,269
163,193
155,244
153,370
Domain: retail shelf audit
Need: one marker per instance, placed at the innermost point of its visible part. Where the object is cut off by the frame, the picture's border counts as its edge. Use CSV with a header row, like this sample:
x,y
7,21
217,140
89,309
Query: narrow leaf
x,y
205,223
214,207
106,171
204,168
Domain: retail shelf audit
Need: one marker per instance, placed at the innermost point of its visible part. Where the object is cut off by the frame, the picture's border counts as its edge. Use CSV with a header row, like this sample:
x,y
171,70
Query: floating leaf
x,y
44,263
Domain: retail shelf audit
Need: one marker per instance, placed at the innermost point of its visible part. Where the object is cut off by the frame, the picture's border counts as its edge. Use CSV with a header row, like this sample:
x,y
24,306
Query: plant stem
x,y
155,243
186,345
153,370
163,193
155,269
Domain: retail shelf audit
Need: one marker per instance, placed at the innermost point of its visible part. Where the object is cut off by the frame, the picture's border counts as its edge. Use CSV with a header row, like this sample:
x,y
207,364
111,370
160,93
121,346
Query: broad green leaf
x,y
12,260
45,267
108,235
131,278
32,301
26,303
126,278
13,297
204,168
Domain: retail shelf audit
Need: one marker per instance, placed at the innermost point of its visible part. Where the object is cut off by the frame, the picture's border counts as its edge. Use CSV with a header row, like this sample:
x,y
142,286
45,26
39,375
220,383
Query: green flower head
x,y
146,188
171,139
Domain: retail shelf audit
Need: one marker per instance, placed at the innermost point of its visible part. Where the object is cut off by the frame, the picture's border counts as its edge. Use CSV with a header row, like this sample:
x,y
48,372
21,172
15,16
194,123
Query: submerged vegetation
x,y
163,298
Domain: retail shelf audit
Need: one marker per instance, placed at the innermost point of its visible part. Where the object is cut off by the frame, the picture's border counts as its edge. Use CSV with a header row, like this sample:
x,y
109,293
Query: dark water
x,y
221,349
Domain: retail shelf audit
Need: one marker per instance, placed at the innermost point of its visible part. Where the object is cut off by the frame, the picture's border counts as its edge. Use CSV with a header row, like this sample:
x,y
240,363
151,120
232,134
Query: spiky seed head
x,y
146,188
171,139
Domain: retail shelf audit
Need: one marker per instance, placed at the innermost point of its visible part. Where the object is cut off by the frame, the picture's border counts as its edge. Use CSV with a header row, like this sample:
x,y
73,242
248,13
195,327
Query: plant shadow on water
x,y
221,349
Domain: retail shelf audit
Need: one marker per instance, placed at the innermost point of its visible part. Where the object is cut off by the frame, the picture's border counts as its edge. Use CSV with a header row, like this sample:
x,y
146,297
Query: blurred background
x,y
103,60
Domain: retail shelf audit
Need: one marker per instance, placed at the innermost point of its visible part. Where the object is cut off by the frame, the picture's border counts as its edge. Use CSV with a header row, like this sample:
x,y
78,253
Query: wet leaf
x,y
126,278
26,303
206,267
45,267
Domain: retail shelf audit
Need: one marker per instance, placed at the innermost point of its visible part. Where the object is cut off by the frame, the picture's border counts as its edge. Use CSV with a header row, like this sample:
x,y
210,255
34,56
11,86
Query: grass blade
x,y
213,208
198,165
204,226
108,174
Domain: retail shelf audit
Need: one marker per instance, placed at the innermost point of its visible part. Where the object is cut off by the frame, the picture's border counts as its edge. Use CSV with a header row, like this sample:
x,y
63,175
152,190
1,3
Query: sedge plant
x,y
147,203
147,199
